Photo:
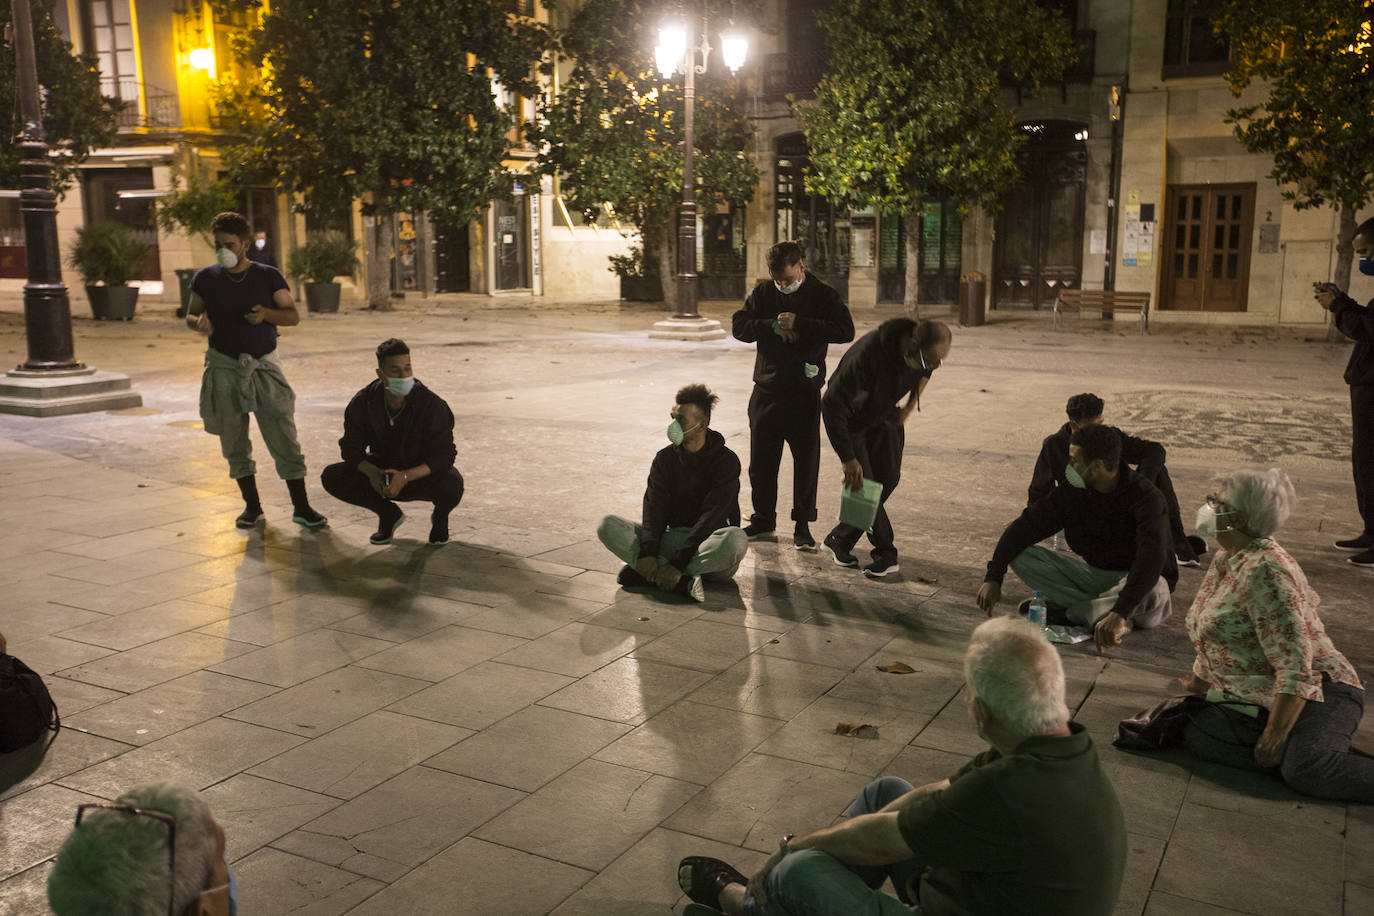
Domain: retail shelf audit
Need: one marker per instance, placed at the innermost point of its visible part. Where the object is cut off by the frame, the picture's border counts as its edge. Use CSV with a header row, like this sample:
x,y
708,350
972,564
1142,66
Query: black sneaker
x,y
249,518
880,568
691,587
387,527
802,539
1198,544
630,578
758,532
840,555
1355,545
309,518
1185,556
1365,559
438,531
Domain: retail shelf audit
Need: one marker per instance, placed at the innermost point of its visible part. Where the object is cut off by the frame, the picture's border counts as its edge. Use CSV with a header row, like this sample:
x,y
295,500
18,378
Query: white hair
x,y
1263,498
1017,674
115,864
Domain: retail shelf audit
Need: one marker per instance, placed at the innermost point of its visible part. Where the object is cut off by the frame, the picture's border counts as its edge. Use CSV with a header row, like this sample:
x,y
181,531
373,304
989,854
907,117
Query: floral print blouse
x,y
1255,627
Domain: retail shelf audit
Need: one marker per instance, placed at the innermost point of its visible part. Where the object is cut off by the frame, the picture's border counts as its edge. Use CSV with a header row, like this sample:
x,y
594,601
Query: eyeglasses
x,y
1218,504
166,820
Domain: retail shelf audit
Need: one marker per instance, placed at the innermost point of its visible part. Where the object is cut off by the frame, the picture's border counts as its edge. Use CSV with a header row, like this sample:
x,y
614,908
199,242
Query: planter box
x,y
641,289
184,277
322,297
113,303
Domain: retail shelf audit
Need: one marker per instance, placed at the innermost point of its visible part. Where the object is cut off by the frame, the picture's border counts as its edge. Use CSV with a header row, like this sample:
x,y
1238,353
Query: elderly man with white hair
x,y
157,851
1258,638
1031,826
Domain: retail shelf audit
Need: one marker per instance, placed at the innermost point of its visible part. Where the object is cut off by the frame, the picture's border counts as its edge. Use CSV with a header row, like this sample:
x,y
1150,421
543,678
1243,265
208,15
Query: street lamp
x,y
676,49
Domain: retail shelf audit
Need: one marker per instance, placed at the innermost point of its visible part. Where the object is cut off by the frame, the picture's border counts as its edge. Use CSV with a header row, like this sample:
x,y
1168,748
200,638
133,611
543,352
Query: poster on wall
x,y
1130,241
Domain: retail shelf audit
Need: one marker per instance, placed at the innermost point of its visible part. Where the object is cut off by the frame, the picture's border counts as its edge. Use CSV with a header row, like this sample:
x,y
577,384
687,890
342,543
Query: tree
x,y
912,106
613,134
388,102
76,117
1315,61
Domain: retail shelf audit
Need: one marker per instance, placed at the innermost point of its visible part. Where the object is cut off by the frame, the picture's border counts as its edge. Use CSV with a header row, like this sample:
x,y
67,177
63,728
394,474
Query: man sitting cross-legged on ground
x,y
1116,521
397,445
691,508
1032,826
1145,455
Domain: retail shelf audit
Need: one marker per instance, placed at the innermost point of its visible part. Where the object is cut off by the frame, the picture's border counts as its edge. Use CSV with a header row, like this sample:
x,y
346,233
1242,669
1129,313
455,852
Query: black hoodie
x,y
422,432
822,319
1145,455
697,490
869,381
1356,322
1126,529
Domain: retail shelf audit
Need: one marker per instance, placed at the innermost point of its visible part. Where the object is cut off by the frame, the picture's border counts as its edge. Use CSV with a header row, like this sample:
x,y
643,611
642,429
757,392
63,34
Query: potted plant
x,y
190,210
317,263
108,256
638,281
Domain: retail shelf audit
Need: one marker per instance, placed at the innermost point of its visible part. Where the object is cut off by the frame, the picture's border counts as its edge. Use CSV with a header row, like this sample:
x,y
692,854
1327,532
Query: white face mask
x,y
1206,522
400,386
227,259
1074,478
790,288
260,243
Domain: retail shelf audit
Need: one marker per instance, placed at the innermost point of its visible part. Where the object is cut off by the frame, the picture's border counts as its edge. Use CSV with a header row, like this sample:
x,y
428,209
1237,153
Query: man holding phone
x,y
1356,322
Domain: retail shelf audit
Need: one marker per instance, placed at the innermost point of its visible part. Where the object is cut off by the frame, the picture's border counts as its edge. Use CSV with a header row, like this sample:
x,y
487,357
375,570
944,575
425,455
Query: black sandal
x,y
706,879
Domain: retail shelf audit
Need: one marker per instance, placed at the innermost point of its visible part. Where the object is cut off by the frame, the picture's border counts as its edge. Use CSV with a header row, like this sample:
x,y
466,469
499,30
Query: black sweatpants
x,y
348,484
880,455
775,418
1362,452
1176,531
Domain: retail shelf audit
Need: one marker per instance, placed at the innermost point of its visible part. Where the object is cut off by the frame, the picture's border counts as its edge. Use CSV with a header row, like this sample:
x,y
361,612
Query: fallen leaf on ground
x,y
857,730
896,668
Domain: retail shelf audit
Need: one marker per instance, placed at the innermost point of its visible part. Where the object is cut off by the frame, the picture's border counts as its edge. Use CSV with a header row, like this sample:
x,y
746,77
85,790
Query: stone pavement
x,y
495,727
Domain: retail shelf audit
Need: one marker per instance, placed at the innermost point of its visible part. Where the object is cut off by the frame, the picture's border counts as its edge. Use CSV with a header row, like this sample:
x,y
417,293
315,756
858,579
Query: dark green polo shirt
x,y
1039,831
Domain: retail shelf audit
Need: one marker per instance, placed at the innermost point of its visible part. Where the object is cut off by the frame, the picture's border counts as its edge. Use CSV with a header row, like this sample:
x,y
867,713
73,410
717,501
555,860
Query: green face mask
x,y
676,433
1074,478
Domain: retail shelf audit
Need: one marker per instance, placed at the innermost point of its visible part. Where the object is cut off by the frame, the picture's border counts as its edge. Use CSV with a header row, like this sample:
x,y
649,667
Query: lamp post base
x,y
57,394
693,329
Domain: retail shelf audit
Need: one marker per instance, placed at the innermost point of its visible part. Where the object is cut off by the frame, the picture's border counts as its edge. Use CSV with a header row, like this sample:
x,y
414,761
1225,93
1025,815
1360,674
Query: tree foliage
x,y
388,102
912,106
76,117
614,131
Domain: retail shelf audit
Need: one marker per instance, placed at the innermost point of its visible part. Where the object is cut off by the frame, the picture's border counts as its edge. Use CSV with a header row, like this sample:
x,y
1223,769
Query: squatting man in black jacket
x,y
1116,521
793,318
397,446
691,517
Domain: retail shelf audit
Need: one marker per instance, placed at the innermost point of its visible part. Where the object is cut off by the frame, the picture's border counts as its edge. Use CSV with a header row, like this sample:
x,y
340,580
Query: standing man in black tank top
x,y
239,305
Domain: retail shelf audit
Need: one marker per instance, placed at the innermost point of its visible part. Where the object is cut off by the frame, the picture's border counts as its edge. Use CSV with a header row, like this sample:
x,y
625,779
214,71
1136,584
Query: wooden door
x,y
1207,267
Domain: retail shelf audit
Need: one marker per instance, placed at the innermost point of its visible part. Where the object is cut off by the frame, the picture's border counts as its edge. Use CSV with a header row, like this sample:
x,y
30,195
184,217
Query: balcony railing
x,y
520,8
161,109
786,74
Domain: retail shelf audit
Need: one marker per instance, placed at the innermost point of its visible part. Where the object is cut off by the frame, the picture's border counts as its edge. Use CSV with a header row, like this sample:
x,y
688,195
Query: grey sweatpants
x,y
717,557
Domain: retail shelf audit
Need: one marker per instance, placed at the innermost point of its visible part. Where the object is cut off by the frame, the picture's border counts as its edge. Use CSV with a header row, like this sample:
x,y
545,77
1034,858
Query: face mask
x,y
260,243
1074,478
1367,266
400,386
790,288
227,259
676,433
1206,522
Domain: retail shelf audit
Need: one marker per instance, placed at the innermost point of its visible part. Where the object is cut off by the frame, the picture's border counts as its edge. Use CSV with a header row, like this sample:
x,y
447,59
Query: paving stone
x,y
156,662
810,735
923,765
70,751
1150,789
691,742
481,695
36,823
412,816
533,614
27,892
530,748
588,553
72,697
629,690
324,703
1258,793
122,545
442,653
144,717
704,645
644,879
1358,898
274,882
28,622
1301,864
416,616
927,690
574,650
1359,841
278,622
589,815
254,812
1162,904
641,613
301,658
355,757
1143,854
198,756
952,730
762,798
473,878
838,645
767,686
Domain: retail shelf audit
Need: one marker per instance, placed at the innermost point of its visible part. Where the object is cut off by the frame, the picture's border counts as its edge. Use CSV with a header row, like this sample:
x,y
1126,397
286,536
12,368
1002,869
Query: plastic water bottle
x,y
1035,613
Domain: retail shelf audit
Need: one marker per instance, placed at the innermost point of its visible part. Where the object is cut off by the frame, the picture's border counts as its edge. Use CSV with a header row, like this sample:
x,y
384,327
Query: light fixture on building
x,y
1081,135
672,47
202,59
733,50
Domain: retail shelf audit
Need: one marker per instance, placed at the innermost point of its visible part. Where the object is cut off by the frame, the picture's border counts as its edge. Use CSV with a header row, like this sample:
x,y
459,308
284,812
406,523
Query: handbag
x,y
1162,725
27,709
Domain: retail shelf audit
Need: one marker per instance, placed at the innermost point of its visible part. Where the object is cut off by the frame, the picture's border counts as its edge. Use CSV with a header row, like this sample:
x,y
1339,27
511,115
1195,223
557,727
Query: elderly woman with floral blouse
x,y
1258,638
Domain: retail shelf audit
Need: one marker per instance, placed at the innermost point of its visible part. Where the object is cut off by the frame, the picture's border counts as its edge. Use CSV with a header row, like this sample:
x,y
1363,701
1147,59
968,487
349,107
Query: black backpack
x,y
26,708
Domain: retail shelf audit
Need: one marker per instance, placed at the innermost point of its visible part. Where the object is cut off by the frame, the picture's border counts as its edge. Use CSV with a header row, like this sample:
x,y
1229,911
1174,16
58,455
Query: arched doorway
x,y
1039,248
822,230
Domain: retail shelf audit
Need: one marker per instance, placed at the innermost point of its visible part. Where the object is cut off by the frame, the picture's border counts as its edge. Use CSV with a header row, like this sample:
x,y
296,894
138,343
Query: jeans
x,y
814,883
718,557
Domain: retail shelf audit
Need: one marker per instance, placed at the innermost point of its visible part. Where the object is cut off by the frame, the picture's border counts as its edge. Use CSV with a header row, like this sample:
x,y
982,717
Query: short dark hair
x,y
1366,229
929,332
232,223
1099,443
698,394
1086,406
783,254
392,346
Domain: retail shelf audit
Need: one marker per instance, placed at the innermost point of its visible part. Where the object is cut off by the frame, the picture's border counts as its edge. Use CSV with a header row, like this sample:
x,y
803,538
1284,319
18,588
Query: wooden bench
x,y
1106,301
